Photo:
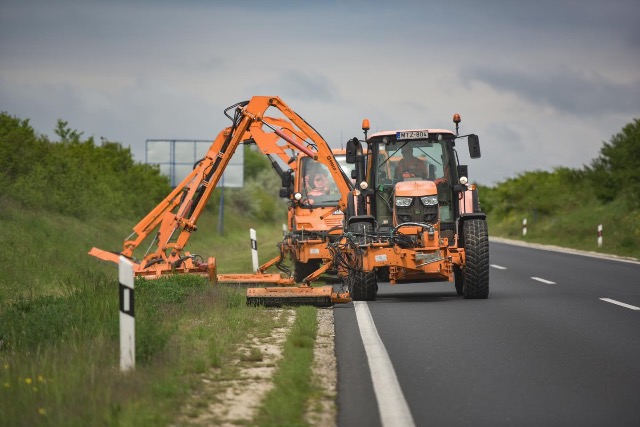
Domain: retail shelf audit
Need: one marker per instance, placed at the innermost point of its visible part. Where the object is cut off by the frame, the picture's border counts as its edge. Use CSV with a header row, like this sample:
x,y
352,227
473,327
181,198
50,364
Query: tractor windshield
x,y
412,160
318,187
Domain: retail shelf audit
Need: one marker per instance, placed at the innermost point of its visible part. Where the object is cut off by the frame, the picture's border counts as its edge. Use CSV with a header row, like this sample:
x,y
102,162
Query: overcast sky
x,y
543,83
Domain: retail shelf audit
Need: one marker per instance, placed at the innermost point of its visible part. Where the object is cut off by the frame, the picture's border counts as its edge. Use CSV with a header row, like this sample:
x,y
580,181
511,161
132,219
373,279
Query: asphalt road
x,y
544,350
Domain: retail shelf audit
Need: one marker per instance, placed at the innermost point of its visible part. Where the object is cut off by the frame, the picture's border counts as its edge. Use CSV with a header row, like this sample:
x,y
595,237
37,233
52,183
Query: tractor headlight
x,y
429,200
403,202
297,196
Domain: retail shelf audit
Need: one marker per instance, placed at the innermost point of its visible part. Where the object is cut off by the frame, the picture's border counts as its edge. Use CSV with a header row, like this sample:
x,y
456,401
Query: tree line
x,y
566,205
611,176
80,177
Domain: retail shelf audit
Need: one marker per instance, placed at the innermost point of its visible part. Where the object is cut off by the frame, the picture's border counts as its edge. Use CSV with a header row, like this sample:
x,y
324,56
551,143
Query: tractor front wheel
x,y
363,286
476,271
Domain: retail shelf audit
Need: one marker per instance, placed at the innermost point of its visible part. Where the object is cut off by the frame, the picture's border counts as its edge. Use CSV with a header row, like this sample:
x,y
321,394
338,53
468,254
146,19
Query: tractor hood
x,y
415,188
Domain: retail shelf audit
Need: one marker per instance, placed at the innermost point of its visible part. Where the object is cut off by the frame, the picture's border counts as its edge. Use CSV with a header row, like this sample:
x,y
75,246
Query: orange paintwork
x,y
175,218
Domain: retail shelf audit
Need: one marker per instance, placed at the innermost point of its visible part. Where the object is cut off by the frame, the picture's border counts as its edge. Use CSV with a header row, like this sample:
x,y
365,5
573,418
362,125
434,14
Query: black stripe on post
x,y
123,291
254,245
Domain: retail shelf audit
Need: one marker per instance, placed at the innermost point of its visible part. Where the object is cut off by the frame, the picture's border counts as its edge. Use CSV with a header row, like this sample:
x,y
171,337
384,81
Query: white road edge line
x,y
612,301
499,267
392,405
548,282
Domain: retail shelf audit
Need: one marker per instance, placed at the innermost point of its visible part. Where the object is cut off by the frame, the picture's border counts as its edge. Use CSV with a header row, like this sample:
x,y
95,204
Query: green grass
x,y
43,253
577,228
59,344
285,404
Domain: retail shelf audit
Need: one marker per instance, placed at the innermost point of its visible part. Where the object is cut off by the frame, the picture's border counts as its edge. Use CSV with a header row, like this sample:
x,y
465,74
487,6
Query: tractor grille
x,y
334,220
417,212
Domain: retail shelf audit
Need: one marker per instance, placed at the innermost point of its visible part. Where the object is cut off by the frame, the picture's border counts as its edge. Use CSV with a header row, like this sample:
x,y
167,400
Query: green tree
x,y
74,176
65,133
615,171
20,149
254,162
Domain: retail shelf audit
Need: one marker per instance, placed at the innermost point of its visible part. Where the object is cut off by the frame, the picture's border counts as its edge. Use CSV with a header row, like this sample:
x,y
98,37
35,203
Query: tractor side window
x,y
318,187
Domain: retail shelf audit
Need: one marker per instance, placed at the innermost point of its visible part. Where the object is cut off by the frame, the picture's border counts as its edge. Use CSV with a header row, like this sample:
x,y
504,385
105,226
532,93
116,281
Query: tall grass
x,y
576,228
42,251
561,208
59,345
59,307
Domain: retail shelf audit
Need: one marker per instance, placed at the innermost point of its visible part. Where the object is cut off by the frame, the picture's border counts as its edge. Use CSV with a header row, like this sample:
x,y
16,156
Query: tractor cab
x,y
413,177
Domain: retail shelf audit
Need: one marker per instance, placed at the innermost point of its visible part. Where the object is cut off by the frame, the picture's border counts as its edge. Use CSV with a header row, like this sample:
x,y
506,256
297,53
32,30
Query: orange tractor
x,y
173,220
421,218
314,219
420,225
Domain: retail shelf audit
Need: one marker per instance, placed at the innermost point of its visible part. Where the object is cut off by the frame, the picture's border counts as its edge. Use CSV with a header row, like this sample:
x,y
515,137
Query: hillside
x,y
565,206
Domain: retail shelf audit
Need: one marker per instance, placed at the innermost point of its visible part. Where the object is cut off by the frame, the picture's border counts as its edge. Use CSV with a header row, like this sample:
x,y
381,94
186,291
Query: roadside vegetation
x,y
59,343
565,206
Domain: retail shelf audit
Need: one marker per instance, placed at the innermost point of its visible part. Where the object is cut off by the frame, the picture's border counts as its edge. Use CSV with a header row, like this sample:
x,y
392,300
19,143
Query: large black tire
x,y
458,277
303,269
363,286
476,270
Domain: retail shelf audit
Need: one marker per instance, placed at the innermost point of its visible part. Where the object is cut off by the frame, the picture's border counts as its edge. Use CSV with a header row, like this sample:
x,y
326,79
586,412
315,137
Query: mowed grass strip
x,y
285,404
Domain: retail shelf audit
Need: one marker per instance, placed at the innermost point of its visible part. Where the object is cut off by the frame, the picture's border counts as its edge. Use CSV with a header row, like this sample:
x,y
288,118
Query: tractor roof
x,y
393,132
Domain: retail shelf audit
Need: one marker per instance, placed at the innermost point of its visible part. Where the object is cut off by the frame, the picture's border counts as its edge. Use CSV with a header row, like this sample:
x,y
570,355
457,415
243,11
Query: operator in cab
x,y
410,166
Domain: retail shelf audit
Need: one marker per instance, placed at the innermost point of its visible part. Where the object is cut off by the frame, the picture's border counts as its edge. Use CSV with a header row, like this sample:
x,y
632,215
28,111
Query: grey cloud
x,y
294,84
565,91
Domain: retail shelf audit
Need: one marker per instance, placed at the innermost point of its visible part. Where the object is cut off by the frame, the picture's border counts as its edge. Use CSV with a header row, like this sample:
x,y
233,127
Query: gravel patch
x,y
231,402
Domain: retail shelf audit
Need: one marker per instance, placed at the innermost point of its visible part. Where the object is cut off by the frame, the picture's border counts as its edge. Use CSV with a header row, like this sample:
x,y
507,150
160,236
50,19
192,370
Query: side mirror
x,y
474,146
287,178
353,149
285,192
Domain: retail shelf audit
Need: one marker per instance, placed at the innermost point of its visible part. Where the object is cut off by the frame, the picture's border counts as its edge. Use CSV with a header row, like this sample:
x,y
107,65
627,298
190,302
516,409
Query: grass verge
x,y
577,229
59,344
285,404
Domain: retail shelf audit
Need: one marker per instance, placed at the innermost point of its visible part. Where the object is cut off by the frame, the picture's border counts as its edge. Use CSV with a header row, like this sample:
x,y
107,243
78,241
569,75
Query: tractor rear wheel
x,y
303,269
476,271
363,286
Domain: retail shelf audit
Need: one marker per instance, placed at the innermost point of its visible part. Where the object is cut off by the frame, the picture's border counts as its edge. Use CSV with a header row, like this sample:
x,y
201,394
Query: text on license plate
x,y
413,134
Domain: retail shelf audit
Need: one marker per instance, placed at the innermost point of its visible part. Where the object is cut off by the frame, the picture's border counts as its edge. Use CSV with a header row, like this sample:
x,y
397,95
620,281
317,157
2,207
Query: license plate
x,y
414,134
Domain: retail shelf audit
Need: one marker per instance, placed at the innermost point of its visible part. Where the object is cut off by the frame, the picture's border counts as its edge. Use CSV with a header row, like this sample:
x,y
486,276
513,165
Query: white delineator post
x,y
524,227
599,235
254,249
284,229
127,319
